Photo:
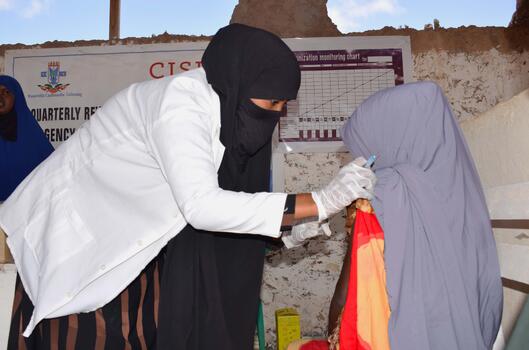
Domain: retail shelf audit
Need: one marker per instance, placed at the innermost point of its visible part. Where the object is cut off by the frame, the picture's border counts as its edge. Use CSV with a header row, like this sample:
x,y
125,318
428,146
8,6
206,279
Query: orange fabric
x,y
366,313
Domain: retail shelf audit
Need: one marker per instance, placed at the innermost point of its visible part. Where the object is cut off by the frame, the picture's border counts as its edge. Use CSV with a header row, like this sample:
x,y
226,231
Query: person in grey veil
x,y
443,277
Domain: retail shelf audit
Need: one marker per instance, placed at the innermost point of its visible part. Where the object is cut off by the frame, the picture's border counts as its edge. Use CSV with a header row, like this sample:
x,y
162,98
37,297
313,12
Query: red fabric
x,y
348,330
366,312
315,345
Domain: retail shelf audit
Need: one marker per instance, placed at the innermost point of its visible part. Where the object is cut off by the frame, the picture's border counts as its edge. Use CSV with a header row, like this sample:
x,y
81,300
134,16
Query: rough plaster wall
x,y
477,81
305,277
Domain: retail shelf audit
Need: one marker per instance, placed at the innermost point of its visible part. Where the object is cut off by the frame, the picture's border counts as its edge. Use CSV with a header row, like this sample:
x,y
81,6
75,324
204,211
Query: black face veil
x,y
211,281
242,62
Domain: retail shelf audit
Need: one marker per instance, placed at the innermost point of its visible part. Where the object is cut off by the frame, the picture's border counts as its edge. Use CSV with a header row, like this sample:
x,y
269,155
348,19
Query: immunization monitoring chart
x,y
333,83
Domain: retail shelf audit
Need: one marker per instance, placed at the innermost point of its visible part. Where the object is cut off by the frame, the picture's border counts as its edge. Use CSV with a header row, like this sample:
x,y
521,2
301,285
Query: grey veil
x,y
443,277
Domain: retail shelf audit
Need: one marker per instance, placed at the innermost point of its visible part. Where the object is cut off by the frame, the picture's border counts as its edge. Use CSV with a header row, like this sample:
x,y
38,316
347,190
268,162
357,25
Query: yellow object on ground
x,y
287,326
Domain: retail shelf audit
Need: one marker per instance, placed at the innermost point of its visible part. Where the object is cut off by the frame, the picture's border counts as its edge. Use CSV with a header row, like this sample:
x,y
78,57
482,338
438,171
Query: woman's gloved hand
x,y
353,181
304,231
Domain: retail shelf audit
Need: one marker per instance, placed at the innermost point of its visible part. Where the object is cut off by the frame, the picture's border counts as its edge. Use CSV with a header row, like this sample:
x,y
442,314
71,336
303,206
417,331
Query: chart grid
x,y
330,91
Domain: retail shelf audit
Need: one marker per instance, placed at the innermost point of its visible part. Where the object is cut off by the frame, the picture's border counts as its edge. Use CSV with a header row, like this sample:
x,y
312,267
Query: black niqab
x,y
242,62
211,281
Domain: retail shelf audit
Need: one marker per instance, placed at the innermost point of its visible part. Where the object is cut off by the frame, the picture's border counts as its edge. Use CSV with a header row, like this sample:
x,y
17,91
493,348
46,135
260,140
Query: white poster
x,y
337,74
64,87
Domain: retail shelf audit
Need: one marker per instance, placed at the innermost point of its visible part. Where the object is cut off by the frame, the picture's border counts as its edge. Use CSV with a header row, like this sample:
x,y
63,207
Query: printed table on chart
x,y
331,90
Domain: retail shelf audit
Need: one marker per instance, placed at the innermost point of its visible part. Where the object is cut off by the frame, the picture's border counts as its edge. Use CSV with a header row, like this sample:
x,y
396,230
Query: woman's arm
x,y
305,207
182,139
298,207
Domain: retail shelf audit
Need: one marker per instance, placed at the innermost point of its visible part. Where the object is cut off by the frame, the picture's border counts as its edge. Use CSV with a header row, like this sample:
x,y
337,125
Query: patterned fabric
x,y
364,324
128,322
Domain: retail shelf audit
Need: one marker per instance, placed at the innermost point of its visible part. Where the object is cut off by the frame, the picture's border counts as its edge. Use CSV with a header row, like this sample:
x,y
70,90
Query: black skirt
x,y
210,291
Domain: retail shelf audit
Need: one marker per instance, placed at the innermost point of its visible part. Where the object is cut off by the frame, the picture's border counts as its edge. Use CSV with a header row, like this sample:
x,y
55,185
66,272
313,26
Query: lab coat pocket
x,y
56,233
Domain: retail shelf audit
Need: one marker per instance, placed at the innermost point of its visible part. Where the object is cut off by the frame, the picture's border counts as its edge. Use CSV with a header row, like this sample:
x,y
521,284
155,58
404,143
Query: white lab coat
x,y
85,222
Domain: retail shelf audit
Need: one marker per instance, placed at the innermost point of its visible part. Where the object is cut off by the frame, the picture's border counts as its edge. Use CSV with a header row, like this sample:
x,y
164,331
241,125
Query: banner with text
x,y
65,86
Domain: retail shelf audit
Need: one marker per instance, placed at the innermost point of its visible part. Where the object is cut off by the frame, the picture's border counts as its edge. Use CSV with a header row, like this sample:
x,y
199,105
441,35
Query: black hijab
x,y
242,62
211,281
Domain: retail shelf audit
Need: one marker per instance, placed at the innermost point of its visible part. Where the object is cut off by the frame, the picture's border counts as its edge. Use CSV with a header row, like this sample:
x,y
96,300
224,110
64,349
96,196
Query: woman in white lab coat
x,y
182,160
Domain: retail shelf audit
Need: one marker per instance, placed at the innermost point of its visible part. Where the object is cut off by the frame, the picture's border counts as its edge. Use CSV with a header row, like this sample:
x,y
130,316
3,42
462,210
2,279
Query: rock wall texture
x,y
294,18
521,16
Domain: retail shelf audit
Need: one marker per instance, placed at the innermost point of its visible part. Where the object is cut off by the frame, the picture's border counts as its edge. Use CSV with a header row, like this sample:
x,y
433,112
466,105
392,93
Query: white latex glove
x,y
304,231
353,181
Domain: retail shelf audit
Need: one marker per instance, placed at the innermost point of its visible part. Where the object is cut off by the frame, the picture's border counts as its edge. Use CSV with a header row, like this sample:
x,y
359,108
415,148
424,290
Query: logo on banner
x,y
54,75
